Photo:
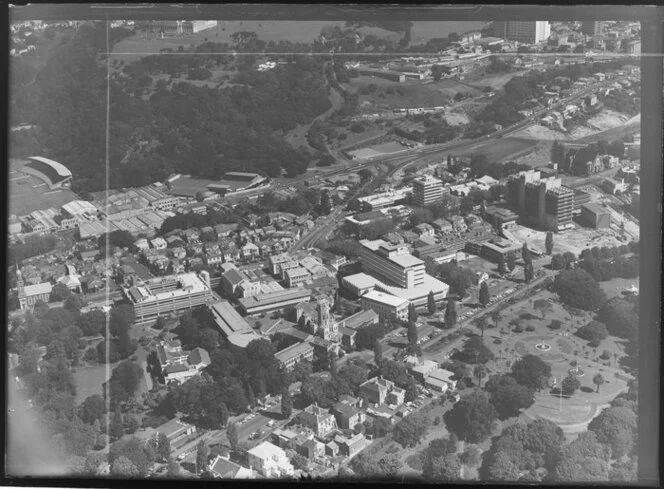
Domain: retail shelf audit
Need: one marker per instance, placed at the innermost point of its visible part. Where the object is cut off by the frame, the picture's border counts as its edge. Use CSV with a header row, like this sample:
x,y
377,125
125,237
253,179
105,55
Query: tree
x,y
485,295
528,272
511,261
60,292
232,435
92,409
594,331
450,313
557,153
410,430
508,396
480,372
543,306
473,418
598,380
475,351
389,465
431,303
482,324
531,371
548,242
325,203
378,352
286,404
73,304
447,468
503,468
173,471
526,255
502,267
412,314
471,456
123,467
163,447
363,465
615,426
570,384
576,288
116,427
201,457
412,334
496,316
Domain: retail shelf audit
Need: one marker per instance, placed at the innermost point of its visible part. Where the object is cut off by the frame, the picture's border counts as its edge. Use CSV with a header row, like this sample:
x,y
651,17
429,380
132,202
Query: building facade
x,y
427,190
529,32
392,262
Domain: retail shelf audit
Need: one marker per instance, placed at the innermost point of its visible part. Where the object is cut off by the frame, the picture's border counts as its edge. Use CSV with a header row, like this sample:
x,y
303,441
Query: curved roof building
x,y
54,174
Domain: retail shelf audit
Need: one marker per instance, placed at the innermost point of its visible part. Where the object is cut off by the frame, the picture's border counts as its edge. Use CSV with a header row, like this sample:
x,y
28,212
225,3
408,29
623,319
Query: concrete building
x,y
440,380
382,391
385,305
296,276
166,295
318,419
528,32
595,216
392,262
272,301
497,249
385,199
541,202
294,354
591,27
427,190
28,295
348,416
270,461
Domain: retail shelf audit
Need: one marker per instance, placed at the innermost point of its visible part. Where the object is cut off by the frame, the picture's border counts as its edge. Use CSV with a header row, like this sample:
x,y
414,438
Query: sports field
x,y
27,193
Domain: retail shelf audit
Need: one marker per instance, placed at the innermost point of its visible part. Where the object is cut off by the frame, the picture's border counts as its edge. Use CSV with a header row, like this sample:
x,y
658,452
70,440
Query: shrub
x,y
594,343
518,328
605,355
530,327
555,324
594,331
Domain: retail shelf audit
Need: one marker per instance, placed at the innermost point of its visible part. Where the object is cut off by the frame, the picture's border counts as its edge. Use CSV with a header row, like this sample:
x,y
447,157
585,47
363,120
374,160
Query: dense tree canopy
x,y
578,289
473,418
508,396
531,371
616,426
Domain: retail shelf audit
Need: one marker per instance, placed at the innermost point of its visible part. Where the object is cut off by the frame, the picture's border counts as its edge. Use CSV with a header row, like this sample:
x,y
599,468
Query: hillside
x,y
173,126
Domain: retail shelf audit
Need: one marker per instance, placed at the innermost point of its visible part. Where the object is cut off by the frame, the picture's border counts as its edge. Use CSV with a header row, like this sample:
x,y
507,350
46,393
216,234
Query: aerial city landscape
x,y
324,249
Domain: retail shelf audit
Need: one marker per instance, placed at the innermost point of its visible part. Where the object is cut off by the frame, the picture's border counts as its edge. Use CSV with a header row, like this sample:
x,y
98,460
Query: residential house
x,y
175,430
249,251
351,446
270,461
348,416
223,468
310,449
318,419
159,243
382,391
424,229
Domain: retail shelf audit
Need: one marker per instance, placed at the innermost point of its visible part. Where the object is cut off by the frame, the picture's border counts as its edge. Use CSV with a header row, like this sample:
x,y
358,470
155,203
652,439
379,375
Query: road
x,y
410,156
389,351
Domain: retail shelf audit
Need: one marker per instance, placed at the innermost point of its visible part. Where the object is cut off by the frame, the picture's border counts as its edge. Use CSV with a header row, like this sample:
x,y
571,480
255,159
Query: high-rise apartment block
x,y
529,32
427,190
544,203
591,28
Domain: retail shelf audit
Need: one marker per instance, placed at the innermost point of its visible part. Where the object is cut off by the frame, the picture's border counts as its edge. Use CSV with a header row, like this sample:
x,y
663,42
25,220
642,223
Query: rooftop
x,y
267,450
274,297
383,298
228,319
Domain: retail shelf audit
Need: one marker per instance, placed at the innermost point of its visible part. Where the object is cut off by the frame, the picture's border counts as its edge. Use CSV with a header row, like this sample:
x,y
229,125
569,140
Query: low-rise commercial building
x,y
294,354
595,216
274,300
385,305
165,295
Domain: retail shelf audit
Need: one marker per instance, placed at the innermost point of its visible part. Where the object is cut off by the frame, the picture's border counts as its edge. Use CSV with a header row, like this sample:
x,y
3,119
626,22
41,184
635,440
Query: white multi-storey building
x,y
392,262
427,190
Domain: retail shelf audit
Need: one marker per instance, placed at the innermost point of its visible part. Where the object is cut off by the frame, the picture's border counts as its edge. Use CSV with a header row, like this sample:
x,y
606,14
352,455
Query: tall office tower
x,y
427,190
591,28
523,31
516,188
559,205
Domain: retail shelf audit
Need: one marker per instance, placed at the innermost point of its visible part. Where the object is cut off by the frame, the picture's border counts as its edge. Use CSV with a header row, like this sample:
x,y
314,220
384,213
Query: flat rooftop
x,y
228,319
274,297
383,298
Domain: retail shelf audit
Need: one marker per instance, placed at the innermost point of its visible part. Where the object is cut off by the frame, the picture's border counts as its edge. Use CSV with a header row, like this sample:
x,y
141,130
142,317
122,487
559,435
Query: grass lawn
x,y
573,413
392,95
89,380
267,30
